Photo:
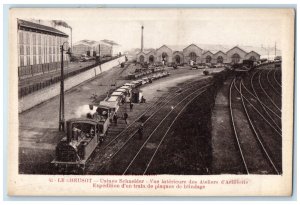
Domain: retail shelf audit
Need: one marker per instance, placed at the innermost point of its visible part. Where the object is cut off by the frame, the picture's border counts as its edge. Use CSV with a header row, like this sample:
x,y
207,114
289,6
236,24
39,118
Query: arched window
x,y
151,59
193,56
164,56
208,59
177,59
220,59
142,58
235,58
252,58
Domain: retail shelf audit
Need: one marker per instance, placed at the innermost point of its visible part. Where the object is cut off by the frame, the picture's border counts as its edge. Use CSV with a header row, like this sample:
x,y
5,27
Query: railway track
x,y
272,114
113,146
144,157
254,155
272,83
124,153
278,82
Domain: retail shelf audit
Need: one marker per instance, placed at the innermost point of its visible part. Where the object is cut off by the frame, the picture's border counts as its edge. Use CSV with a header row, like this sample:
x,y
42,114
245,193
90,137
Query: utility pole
x,y
62,100
100,57
142,39
275,48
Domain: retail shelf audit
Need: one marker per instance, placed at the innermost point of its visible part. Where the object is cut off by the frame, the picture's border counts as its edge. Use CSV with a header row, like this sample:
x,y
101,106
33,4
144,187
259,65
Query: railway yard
x,y
192,123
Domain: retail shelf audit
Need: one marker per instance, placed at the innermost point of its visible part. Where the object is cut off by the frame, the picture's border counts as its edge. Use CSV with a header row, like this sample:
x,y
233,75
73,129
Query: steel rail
x,y
162,139
156,129
234,128
277,82
259,81
151,107
268,79
254,130
134,133
278,127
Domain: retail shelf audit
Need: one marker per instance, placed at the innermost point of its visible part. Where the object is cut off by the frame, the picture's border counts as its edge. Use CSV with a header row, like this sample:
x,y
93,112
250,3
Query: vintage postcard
x,y
150,102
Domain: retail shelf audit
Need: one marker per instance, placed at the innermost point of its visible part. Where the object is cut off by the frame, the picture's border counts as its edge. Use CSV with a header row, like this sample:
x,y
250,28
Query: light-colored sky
x,y
251,27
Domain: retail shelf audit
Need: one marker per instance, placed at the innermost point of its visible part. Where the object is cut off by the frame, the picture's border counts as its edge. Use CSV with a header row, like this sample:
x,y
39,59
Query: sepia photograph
x,y
146,101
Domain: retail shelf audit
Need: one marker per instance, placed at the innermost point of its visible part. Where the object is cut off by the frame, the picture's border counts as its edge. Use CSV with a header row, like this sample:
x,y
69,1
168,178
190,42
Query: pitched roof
x,y
237,48
208,52
192,45
220,52
39,27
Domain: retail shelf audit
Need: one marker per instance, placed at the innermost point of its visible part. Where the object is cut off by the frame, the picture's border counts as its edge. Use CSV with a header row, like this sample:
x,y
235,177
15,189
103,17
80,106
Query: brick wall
x,y
49,92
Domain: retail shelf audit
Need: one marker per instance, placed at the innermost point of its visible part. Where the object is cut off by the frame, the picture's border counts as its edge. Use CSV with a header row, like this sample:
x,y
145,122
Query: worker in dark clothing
x,y
115,118
143,100
125,117
140,131
131,106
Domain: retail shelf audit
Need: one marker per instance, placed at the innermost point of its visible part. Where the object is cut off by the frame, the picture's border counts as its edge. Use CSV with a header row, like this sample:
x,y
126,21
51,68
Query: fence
x,y
51,89
23,91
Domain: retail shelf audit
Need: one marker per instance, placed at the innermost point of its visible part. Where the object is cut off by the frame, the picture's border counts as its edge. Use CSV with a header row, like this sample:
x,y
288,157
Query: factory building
x,y
92,48
165,54
39,48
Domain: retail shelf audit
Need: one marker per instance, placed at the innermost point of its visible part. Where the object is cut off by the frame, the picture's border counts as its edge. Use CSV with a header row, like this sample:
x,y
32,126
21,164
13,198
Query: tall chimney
x,y
142,40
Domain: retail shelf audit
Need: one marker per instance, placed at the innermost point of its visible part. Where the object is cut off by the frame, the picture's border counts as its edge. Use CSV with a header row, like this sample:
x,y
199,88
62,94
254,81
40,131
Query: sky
x,y
248,27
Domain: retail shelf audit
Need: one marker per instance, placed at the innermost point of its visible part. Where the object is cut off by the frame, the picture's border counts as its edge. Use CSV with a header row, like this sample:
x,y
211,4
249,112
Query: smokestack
x,y
142,40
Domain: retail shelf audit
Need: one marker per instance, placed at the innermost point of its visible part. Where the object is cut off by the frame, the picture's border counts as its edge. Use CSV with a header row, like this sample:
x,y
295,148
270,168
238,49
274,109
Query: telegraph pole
x,y
62,100
142,39
275,48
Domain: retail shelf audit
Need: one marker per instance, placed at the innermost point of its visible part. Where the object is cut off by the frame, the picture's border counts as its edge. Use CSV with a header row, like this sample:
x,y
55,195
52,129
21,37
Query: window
x,y
27,50
28,60
22,51
39,39
40,59
22,63
34,39
34,50
193,56
27,38
21,40
235,58
252,58
34,60
220,59
208,59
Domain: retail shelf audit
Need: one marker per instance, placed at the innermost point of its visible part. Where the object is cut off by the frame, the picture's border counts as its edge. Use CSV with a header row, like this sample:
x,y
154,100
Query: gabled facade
x,y
141,57
151,57
252,56
235,55
164,53
219,57
178,57
192,52
207,57
196,54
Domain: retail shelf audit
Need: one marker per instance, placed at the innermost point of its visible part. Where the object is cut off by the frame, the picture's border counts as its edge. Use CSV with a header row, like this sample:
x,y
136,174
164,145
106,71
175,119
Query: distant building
x,y
39,48
91,48
194,53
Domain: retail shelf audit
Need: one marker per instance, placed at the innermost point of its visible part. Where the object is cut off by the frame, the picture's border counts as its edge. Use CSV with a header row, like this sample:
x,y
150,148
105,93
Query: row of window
x,y
37,59
30,38
235,58
38,50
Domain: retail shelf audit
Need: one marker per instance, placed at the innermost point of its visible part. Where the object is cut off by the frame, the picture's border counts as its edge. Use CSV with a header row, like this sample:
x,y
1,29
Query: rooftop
x,y
39,27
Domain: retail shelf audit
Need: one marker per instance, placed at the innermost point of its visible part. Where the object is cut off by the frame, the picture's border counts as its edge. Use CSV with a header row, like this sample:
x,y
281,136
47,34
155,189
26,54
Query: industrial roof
x,y
39,27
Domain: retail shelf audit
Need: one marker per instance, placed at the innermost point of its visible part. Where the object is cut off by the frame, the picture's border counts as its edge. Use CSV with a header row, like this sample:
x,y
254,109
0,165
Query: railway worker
x,y
115,118
143,100
140,131
125,117
130,105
